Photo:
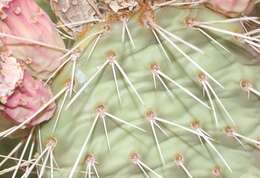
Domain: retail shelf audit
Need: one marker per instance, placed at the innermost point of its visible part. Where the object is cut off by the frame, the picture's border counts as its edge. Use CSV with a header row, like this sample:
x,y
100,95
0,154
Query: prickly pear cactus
x,y
149,89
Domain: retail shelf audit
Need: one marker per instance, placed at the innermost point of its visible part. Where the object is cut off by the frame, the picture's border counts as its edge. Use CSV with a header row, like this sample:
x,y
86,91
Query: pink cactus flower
x,y
27,32
11,75
28,98
230,7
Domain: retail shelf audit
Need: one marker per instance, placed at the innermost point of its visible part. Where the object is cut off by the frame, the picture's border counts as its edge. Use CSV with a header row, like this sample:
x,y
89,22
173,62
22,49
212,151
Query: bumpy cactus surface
x,y
148,89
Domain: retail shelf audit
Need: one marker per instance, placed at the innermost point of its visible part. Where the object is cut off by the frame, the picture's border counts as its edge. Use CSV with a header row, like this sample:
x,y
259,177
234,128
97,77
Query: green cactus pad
x,y
228,68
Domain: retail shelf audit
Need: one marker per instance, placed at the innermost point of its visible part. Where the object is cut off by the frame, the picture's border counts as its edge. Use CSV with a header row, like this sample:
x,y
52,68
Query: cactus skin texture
x,y
124,73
